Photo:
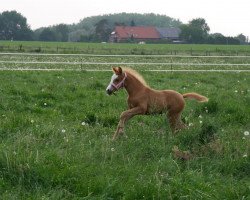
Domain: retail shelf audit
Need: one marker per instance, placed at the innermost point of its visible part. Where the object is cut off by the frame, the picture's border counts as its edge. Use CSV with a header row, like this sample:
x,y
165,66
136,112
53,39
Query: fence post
x,y
20,47
171,66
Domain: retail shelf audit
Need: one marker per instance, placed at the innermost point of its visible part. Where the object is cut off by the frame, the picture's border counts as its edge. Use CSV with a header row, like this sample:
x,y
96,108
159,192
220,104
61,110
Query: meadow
x,y
123,49
56,129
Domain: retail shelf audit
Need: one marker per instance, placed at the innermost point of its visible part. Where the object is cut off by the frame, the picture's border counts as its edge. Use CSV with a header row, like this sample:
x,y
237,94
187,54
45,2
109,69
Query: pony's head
x,y
117,80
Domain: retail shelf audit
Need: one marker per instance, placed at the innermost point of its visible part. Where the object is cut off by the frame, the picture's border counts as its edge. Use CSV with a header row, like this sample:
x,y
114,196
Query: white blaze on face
x,y
111,82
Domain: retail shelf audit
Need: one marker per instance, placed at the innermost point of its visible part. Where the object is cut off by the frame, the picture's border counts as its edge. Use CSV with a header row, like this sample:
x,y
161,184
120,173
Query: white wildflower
x,y
190,124
84,123
200,116
246,133
32,121
45,104
63,130
236,91
112,149
201,122
245,155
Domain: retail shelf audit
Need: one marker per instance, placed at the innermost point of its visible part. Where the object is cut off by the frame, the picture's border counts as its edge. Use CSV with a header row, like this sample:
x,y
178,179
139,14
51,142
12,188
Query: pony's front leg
x,y
125,116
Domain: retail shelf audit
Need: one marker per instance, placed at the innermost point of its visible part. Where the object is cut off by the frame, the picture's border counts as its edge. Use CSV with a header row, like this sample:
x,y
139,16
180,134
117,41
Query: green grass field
x,y
56,126
56,130
109,48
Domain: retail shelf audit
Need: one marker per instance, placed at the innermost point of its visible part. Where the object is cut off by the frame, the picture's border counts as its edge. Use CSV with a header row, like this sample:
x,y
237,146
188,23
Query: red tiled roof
x,y
137,32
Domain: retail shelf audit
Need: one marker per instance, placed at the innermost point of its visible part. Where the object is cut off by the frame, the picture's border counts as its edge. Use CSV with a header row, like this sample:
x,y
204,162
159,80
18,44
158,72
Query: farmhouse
x,y
138,33
143,33
172,34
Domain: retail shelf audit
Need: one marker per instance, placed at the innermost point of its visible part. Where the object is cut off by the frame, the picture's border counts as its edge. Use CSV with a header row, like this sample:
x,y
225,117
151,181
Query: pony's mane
x,y
136,75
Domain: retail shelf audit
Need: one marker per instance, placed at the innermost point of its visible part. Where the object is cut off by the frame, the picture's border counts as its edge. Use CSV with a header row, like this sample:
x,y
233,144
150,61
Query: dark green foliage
x,y
207,134
91,118
47,35
196,31
109,121
14,26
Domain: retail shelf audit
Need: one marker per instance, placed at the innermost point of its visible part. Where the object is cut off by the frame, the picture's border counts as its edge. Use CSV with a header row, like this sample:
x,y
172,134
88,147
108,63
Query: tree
x,y
62,32
102,30
218,38
242,38
13,26
47,35
196,31
119,24
201,24
132,23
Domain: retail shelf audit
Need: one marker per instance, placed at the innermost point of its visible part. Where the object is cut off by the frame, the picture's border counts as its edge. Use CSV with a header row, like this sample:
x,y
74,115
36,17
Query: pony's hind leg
x,y
175,121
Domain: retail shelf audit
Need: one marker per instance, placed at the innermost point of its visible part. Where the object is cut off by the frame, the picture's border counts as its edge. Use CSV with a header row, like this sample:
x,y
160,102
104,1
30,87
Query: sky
x,y
229,17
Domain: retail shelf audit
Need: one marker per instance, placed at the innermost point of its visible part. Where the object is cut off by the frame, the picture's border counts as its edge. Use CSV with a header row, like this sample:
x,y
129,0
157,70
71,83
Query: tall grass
x,y
56,130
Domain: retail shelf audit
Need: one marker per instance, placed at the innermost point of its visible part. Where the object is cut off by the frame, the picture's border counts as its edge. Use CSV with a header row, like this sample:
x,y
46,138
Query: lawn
x,y
56,130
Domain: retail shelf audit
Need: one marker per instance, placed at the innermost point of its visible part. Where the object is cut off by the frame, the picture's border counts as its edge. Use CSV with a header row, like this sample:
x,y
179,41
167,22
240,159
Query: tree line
x,y
13,26
197,32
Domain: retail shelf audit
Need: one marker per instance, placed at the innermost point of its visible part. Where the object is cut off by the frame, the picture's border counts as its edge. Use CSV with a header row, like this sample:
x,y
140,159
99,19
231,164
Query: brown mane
x,y
136,75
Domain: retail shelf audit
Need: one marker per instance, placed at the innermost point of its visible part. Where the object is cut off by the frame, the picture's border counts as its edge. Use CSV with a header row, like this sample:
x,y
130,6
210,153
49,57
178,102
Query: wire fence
x,y
50,62
127,55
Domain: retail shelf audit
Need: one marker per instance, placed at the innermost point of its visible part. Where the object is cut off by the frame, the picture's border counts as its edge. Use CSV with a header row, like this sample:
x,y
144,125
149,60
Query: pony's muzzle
x,y
109,91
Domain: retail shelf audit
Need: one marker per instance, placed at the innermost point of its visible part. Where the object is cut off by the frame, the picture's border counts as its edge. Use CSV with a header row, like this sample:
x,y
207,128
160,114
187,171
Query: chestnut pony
x,y
144,100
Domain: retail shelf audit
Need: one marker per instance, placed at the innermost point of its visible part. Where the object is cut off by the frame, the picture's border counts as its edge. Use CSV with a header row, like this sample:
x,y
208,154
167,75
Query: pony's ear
x,y
117,70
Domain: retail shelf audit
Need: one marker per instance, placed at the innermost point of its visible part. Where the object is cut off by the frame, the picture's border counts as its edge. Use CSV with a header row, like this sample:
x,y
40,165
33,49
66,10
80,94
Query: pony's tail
x,y
195,96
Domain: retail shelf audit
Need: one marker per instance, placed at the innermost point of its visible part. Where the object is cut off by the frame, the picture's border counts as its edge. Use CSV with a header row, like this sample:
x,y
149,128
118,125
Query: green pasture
x,y
130,49
56,130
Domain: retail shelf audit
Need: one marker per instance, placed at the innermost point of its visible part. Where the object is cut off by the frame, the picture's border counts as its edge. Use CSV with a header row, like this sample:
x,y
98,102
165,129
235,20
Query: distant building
x,y
143,33
138,33
172,34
